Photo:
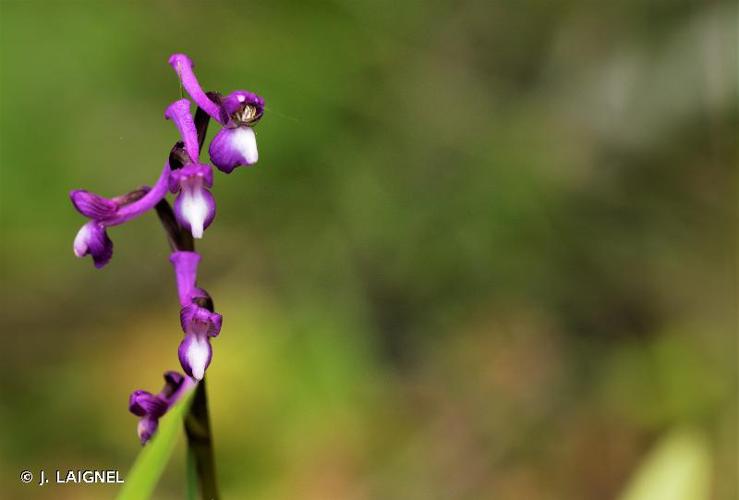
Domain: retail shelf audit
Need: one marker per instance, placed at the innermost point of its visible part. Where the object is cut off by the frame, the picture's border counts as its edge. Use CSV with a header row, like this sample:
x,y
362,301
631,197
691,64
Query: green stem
x,y
191,477
200,444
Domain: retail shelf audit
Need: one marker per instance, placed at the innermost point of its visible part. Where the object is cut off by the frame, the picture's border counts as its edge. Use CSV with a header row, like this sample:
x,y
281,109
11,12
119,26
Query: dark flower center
x,y
247,115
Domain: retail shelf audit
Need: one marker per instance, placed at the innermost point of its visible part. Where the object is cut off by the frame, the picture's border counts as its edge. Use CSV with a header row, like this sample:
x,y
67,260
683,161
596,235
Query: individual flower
x,y
235,144
194,206
199,325
92,239
151,407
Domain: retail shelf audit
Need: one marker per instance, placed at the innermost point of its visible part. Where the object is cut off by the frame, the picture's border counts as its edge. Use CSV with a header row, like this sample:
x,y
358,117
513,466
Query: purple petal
x,y
195,208
188,173
200,321
195,354
142,403
92,205
186,270
93,239
233,147
146,428
179,113
183,66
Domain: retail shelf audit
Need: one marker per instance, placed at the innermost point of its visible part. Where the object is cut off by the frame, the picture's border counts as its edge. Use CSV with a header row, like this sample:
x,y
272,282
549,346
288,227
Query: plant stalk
x,y
200,443
200,456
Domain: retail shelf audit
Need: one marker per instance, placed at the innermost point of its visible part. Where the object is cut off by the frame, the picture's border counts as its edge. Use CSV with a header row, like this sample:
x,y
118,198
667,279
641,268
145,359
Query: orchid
x,y
151,407
195,206
194,210
236,143
198,322
92,239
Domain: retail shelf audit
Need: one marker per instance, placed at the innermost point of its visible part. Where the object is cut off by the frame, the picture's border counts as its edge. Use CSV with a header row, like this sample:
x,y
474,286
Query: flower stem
x,y
200,443
200,454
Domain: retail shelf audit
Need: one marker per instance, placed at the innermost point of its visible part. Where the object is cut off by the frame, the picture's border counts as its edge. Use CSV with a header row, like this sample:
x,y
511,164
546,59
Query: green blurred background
x,y
488,250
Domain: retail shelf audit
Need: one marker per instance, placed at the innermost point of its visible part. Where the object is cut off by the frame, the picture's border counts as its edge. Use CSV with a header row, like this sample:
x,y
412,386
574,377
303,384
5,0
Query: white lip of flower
x,y
198,356
80,241
244,141
194,205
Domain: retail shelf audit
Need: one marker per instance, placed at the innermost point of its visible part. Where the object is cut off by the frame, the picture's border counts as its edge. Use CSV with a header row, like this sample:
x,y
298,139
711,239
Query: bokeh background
x,y
488,251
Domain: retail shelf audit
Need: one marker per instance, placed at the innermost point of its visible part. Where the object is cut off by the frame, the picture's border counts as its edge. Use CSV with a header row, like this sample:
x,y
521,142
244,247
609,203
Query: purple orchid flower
x,y
195,351
194,210
198,322
151,407
235,144
92,239
195,207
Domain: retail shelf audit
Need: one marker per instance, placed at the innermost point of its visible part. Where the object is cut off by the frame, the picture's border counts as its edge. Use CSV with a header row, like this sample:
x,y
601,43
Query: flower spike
x,y
194,210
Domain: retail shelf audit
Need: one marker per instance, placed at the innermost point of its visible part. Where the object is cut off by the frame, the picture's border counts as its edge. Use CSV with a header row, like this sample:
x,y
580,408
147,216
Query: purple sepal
x,y
142,403
92,205
151,407
190,173
200,321
183,66
93,239
195,351
186,271
243,107
179,113
233,147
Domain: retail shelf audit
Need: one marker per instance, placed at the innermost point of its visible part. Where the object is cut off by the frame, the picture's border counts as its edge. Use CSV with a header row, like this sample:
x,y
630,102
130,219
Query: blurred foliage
x,y
488,250
678,469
